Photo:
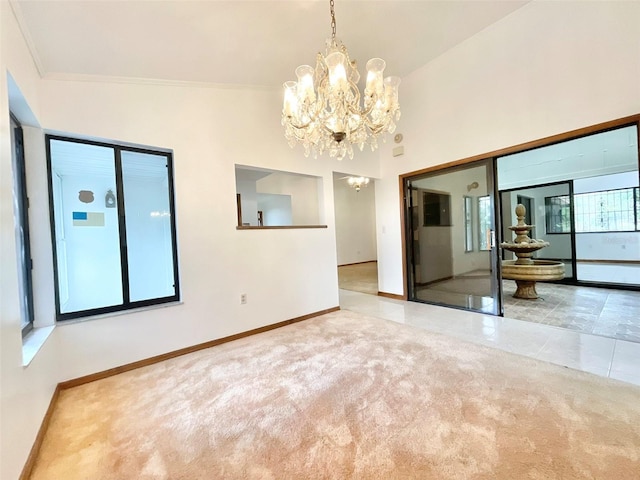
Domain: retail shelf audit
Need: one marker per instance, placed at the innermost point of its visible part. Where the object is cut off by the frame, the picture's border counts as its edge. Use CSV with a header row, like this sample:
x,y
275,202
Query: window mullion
x,y
124,261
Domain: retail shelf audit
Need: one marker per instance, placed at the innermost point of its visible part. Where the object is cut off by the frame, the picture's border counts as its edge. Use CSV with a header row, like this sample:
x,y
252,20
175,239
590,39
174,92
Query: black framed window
x,y
21,212
603,211
558,214
113,224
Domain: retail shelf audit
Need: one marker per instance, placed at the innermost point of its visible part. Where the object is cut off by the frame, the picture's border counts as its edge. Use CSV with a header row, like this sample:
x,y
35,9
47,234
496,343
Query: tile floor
x,y
360,277
597,311
607,357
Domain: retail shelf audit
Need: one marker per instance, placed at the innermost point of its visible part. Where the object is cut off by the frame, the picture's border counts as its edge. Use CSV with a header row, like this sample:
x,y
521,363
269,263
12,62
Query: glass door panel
x,y
451,244
548,209
592,219
607,225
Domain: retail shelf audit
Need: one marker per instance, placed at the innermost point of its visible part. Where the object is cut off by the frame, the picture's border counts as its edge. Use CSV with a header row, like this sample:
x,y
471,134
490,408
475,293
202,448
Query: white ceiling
x,y
252,43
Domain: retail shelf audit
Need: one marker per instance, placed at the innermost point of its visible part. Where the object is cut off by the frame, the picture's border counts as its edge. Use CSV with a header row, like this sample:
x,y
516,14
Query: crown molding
x,y
22,24
112,79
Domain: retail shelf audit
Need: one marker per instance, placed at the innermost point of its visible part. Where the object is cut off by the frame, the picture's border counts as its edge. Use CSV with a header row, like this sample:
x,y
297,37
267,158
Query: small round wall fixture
x,y
398,138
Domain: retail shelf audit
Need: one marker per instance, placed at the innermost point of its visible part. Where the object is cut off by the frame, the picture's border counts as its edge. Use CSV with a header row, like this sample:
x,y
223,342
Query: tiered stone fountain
x,y
526,271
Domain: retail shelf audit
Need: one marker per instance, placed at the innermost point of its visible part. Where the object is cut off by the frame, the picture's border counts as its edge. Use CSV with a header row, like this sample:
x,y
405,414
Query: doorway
x,y
450,240
584,198
356,246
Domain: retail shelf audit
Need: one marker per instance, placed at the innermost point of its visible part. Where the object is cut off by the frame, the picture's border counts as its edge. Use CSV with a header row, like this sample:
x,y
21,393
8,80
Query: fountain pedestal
x,y
526,271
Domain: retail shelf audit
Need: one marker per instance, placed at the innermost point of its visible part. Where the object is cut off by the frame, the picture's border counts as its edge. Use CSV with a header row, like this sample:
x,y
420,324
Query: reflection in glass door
x,y
585,197
549,211
451,249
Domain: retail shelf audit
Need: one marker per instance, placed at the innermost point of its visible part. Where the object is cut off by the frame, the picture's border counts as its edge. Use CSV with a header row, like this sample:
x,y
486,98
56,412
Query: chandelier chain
x,y
333,20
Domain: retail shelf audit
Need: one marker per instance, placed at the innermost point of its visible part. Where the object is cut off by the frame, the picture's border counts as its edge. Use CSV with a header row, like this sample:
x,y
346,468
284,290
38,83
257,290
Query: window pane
x,y
468,224
557,214
484,223
145,180
605,211
87,236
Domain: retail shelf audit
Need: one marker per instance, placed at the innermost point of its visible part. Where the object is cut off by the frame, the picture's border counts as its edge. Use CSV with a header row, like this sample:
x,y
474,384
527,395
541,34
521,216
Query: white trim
x,y
31,45
32,343
77,77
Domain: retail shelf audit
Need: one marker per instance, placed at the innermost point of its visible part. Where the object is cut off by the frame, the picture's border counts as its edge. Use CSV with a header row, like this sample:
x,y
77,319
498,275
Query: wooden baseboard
x,y
35,449
391,295
357,263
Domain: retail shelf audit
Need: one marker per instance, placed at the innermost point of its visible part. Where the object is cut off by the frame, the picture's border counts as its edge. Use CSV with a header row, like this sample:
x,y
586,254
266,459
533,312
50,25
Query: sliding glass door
x,y
584,199
452,253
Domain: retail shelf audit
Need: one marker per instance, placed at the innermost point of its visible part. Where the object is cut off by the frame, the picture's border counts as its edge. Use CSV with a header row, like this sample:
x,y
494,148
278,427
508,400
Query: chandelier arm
x,y
300,127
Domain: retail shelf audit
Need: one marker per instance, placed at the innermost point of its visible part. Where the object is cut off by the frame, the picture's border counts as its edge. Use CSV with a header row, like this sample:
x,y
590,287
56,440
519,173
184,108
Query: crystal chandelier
x,y
358,182
323,111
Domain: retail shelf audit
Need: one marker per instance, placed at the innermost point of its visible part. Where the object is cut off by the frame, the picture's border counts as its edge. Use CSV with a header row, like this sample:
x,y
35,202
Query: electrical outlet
x,y
243,298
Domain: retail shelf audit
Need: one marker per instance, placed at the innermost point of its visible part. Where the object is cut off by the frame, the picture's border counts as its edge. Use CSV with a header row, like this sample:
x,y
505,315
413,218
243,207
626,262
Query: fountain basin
x,y
526,276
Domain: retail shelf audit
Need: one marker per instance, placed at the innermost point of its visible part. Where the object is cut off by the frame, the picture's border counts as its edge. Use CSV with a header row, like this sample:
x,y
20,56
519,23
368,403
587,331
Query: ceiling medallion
x,y
322,110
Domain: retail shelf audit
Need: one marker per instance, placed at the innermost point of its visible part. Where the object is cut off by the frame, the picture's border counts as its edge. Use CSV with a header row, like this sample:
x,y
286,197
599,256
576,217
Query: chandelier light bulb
x,y
358,182
324,110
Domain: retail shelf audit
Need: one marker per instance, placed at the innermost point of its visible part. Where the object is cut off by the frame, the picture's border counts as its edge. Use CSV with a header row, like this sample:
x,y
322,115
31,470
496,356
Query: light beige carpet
x,y
344,396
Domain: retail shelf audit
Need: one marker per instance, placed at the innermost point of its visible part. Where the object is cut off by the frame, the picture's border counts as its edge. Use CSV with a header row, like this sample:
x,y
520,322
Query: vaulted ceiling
x,y
251,43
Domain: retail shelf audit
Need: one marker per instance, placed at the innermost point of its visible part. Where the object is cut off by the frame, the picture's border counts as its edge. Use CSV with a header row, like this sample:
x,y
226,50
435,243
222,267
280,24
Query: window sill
x,y
116,313
283,227
32,343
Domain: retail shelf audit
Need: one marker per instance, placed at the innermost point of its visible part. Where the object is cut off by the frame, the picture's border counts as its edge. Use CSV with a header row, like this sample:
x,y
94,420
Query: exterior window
x,y
484,223
468,224
557,214
605,211
113,227
21,213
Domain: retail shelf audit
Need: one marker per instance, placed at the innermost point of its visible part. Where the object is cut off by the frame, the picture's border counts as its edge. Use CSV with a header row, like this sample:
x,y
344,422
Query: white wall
x,y
248,201
548,68
304,193
24,393
276,209
217,262
355,221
